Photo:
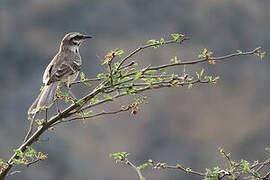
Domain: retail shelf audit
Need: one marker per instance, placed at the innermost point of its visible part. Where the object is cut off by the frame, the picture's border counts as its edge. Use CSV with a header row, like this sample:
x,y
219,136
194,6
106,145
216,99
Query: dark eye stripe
x,y
77,37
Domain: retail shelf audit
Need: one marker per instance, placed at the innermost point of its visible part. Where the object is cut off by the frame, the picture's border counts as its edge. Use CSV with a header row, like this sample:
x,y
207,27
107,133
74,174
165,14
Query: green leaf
x,y
39,121
176,36
190,85
215,79
150,71
204,51
239,51
80,102
104,62
100,75
144,165
198,75
129,91
163,70
202,71
175,60
87,84
162,41
82,76
116,65
18,152
119,156
18,161
107,96
245,165
153,42
65,94
188,170
205,54
41,88
119,52
86,114
138,75
95,99
201,56
43,108
30,152
208,78
216,169
2,162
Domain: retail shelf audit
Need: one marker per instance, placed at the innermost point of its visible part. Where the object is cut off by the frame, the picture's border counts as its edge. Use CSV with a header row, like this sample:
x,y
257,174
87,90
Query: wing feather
x,y
65,69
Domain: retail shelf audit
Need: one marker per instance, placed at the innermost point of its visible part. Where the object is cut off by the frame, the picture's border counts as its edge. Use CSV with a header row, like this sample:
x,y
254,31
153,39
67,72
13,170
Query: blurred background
x,y
178,125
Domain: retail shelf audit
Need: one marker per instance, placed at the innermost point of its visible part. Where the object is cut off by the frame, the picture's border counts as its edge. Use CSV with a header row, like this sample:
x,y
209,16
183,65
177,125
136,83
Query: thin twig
x,y
14,172
138,171
94,115
103,101
87,80
192,62
263,164
148,46
185,170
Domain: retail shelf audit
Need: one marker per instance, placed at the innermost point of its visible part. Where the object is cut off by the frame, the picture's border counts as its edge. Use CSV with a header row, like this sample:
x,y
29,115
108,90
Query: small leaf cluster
x,y
120,156
175,60
109,56
86,114
213,174
39,122
65,96
259,53
177,36
212,79
206,54
28,157
142,166
3,165
84,80
156,43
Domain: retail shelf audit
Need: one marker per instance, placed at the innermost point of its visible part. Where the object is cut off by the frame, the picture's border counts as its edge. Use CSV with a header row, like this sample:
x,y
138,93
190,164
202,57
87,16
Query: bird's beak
x,y
87,37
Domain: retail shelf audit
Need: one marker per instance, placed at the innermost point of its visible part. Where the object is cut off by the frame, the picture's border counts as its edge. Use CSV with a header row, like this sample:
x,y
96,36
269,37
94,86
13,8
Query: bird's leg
x,y
57,106
46,115
71,94
57,99
30,127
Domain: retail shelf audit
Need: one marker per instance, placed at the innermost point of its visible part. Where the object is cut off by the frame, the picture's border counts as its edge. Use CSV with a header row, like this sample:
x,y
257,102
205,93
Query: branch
x,y
235,171
197,61
150,45
123,109
138,171
87,80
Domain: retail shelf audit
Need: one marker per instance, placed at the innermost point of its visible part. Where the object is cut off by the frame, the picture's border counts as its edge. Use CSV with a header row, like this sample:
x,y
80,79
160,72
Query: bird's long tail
x,y
45,98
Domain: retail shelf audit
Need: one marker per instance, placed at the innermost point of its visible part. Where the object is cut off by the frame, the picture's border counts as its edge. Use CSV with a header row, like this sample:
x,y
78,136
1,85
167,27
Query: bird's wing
x,y
62,68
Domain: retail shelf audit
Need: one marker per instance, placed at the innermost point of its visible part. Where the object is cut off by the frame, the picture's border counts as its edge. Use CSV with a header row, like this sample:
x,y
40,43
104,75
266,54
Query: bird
x,y
63,69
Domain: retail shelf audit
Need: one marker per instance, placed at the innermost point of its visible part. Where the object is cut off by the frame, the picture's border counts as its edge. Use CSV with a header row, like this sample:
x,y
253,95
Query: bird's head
x,y
73,40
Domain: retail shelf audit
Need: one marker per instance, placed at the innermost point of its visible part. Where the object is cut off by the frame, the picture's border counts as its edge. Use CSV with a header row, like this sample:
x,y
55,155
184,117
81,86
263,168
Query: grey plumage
x,y
63,69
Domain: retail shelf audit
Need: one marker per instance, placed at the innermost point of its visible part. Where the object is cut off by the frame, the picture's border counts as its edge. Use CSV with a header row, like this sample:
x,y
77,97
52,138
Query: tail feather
x,y
45,98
